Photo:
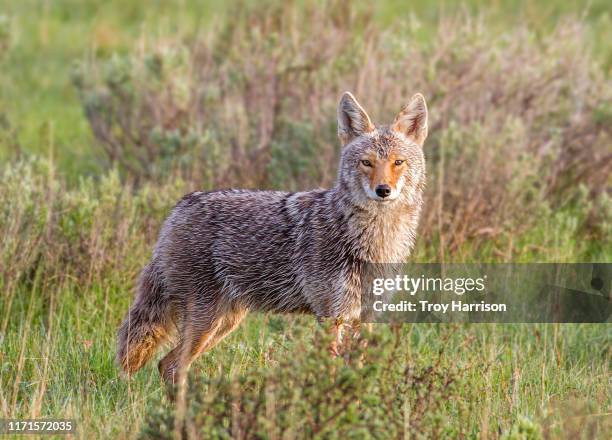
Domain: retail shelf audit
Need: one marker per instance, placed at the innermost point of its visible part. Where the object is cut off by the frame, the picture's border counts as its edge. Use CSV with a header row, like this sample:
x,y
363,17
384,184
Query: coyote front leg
x,y
344,333
336,343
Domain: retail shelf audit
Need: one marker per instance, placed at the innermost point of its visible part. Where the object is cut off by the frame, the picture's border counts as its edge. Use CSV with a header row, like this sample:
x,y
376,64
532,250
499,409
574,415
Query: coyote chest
x,y
387,237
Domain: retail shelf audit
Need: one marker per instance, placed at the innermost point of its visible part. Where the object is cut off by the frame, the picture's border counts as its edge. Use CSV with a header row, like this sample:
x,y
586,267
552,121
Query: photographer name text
x,y
423,284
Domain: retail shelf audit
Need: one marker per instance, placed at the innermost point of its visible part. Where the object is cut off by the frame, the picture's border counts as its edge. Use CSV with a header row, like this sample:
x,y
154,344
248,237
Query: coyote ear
x,y
411,121
353,121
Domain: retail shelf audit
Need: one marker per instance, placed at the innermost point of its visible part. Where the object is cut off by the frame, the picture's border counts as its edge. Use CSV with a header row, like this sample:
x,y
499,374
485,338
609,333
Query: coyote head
x,y
382,164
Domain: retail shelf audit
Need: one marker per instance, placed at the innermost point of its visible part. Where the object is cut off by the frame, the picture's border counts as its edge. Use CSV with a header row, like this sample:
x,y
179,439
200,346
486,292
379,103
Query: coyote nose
x,y
383,191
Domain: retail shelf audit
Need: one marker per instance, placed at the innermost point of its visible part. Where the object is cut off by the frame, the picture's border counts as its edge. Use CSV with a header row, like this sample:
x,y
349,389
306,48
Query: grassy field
x,y
519,165
45,39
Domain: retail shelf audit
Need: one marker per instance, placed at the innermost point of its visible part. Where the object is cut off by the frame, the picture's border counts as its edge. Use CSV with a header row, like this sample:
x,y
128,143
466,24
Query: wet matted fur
x,y
221,254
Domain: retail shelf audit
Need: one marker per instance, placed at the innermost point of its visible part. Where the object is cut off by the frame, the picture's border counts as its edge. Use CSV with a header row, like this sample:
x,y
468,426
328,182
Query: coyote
x,y
221,254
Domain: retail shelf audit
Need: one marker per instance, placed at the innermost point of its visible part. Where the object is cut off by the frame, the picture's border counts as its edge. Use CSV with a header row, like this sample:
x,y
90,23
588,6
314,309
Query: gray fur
x,y
223,253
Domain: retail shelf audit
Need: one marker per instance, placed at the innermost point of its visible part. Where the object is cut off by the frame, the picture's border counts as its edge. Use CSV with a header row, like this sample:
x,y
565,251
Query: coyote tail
x,y
146,325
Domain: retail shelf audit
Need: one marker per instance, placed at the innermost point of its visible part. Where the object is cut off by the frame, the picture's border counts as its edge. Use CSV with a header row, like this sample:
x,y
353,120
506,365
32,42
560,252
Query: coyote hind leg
x,y
230,322
197,338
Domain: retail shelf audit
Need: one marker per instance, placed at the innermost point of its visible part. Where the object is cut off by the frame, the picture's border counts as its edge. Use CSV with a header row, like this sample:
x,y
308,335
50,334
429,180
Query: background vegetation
x,y
110,112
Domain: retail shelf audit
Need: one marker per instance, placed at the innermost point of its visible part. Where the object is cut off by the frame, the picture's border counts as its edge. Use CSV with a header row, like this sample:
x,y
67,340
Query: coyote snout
x,y
384,177
221,254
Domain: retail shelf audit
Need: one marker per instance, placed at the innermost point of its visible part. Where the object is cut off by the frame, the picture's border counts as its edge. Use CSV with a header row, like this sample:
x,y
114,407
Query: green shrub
x,y
97,229
523,429
518,120
381,391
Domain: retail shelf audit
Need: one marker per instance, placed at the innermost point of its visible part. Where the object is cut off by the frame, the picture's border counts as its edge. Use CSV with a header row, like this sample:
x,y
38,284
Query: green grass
x,y
48,38
560,370
75,233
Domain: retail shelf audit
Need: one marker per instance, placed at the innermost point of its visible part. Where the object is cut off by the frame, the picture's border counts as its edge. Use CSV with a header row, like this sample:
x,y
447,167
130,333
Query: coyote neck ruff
x,y
221,254
378,234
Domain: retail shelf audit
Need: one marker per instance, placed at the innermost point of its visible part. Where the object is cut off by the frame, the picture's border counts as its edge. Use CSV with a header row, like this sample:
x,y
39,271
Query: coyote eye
x,y
366,163
399,162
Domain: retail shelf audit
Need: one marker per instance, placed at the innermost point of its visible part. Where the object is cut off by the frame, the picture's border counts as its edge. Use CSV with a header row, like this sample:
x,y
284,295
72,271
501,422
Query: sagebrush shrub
x,y
381,391
518,121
